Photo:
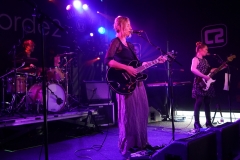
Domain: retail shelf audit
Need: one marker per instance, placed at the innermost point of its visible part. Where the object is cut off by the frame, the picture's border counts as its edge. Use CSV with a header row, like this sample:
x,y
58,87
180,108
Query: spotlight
x,y
85,7
68,7
101,30
91,34
98,12
77,4
98,58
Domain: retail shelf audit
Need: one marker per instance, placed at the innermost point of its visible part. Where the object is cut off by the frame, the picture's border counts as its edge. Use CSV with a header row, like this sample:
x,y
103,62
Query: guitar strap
x,y
132,50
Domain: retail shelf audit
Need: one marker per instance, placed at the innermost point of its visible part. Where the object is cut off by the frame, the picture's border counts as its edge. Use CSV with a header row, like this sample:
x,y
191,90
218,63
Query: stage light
x,y
68,7
101,30
77,4
85,7
98,58
97,11
91,34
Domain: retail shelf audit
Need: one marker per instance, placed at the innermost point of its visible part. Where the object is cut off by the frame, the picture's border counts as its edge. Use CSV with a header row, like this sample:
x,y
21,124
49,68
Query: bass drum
x,y
56,96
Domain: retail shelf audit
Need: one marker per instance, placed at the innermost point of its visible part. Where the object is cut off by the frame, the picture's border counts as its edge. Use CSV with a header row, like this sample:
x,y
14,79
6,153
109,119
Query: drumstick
x,y
68,62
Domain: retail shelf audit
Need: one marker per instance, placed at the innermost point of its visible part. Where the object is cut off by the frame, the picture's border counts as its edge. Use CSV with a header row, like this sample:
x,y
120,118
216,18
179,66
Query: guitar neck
x,y
218,69
229,59
146,66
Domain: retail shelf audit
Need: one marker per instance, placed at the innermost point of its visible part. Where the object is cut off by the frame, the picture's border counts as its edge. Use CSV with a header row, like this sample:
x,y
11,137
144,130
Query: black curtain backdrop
x,y
171,25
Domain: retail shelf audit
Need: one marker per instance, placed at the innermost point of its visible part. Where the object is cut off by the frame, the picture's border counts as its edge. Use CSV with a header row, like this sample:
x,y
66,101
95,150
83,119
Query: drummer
x,y
28,46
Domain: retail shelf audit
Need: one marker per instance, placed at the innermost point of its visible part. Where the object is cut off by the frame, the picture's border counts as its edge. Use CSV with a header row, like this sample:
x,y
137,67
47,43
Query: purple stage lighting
x,y
77,4
68,7
85,7
91,34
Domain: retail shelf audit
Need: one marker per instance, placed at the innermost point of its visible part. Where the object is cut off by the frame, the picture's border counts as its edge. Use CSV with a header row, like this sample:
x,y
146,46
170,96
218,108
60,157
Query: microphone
x,y
137,31
59,101
217,57
209,54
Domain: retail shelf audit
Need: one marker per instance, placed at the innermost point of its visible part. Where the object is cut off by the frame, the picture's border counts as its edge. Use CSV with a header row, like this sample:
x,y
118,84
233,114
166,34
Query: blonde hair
x,y
120,24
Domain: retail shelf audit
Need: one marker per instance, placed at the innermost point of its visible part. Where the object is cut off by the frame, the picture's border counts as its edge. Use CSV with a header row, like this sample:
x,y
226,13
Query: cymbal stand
x,y
66,83
24,98
3,91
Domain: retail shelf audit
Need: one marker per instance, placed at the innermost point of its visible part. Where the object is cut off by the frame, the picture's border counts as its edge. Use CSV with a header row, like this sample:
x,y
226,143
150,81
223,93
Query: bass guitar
x,y
206,84
122,82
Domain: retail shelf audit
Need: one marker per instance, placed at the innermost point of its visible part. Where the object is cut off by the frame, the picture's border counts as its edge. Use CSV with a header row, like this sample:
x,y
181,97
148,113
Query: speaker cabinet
x,y
201,146
227,140
105,114
95,92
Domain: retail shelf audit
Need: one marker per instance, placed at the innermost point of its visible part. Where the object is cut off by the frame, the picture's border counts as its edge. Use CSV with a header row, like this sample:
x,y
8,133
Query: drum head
x,y
56,97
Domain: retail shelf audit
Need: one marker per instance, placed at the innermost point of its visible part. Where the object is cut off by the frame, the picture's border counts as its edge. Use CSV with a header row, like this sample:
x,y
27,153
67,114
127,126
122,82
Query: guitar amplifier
x,y
96,92
105,114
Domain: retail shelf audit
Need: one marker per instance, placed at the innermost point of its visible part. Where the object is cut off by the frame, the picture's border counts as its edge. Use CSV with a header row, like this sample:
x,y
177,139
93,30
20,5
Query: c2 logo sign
x,y
214,35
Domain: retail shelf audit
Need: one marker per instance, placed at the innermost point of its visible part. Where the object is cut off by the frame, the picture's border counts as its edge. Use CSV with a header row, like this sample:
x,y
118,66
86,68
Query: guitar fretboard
x,y
146,66
229,59
218,69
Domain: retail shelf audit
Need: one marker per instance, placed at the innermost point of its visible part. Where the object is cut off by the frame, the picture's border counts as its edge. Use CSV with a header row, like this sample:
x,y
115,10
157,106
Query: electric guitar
x,y
122,82
206,84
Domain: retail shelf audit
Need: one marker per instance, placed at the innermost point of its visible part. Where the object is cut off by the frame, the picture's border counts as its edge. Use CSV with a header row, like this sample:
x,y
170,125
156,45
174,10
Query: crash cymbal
x,y
26,60
66,54
27,70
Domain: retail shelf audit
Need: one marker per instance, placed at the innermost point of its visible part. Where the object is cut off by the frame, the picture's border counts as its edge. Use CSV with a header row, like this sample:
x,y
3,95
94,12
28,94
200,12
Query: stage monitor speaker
x,y
96,92
201,146
228,143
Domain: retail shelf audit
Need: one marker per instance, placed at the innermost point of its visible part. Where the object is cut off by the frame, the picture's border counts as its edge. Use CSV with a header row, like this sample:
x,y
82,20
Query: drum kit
x,y
26,83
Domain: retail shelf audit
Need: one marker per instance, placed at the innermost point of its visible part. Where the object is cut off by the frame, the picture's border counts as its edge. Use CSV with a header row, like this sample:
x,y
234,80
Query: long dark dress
x,y
133,108
204,68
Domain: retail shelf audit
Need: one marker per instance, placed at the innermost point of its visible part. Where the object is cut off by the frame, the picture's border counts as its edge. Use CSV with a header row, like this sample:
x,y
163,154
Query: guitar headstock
x,y
230,58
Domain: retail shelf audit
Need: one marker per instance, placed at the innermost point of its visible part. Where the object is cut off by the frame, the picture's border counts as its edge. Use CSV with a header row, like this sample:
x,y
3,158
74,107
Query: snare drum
x,y
54,91
20,82
55,74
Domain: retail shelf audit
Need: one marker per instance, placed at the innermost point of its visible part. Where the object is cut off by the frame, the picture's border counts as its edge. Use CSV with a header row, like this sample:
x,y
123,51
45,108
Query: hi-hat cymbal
x,y
26,60
27,70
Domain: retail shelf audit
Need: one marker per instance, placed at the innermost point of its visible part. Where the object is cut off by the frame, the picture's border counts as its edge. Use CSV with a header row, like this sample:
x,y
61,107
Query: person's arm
x,y
195,71
112,63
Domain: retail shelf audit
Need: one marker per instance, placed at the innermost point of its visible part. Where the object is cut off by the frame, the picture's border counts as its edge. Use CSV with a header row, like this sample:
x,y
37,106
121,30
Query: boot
x,y
197,125
208,120
209,124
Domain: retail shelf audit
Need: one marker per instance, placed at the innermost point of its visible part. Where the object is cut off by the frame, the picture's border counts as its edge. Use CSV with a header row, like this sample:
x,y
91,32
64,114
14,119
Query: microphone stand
x,y
220,60
40,18
14,56
170,83
229,97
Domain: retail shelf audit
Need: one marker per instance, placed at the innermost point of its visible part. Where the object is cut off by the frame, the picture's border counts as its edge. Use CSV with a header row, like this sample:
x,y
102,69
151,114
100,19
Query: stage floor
x,y
100,146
